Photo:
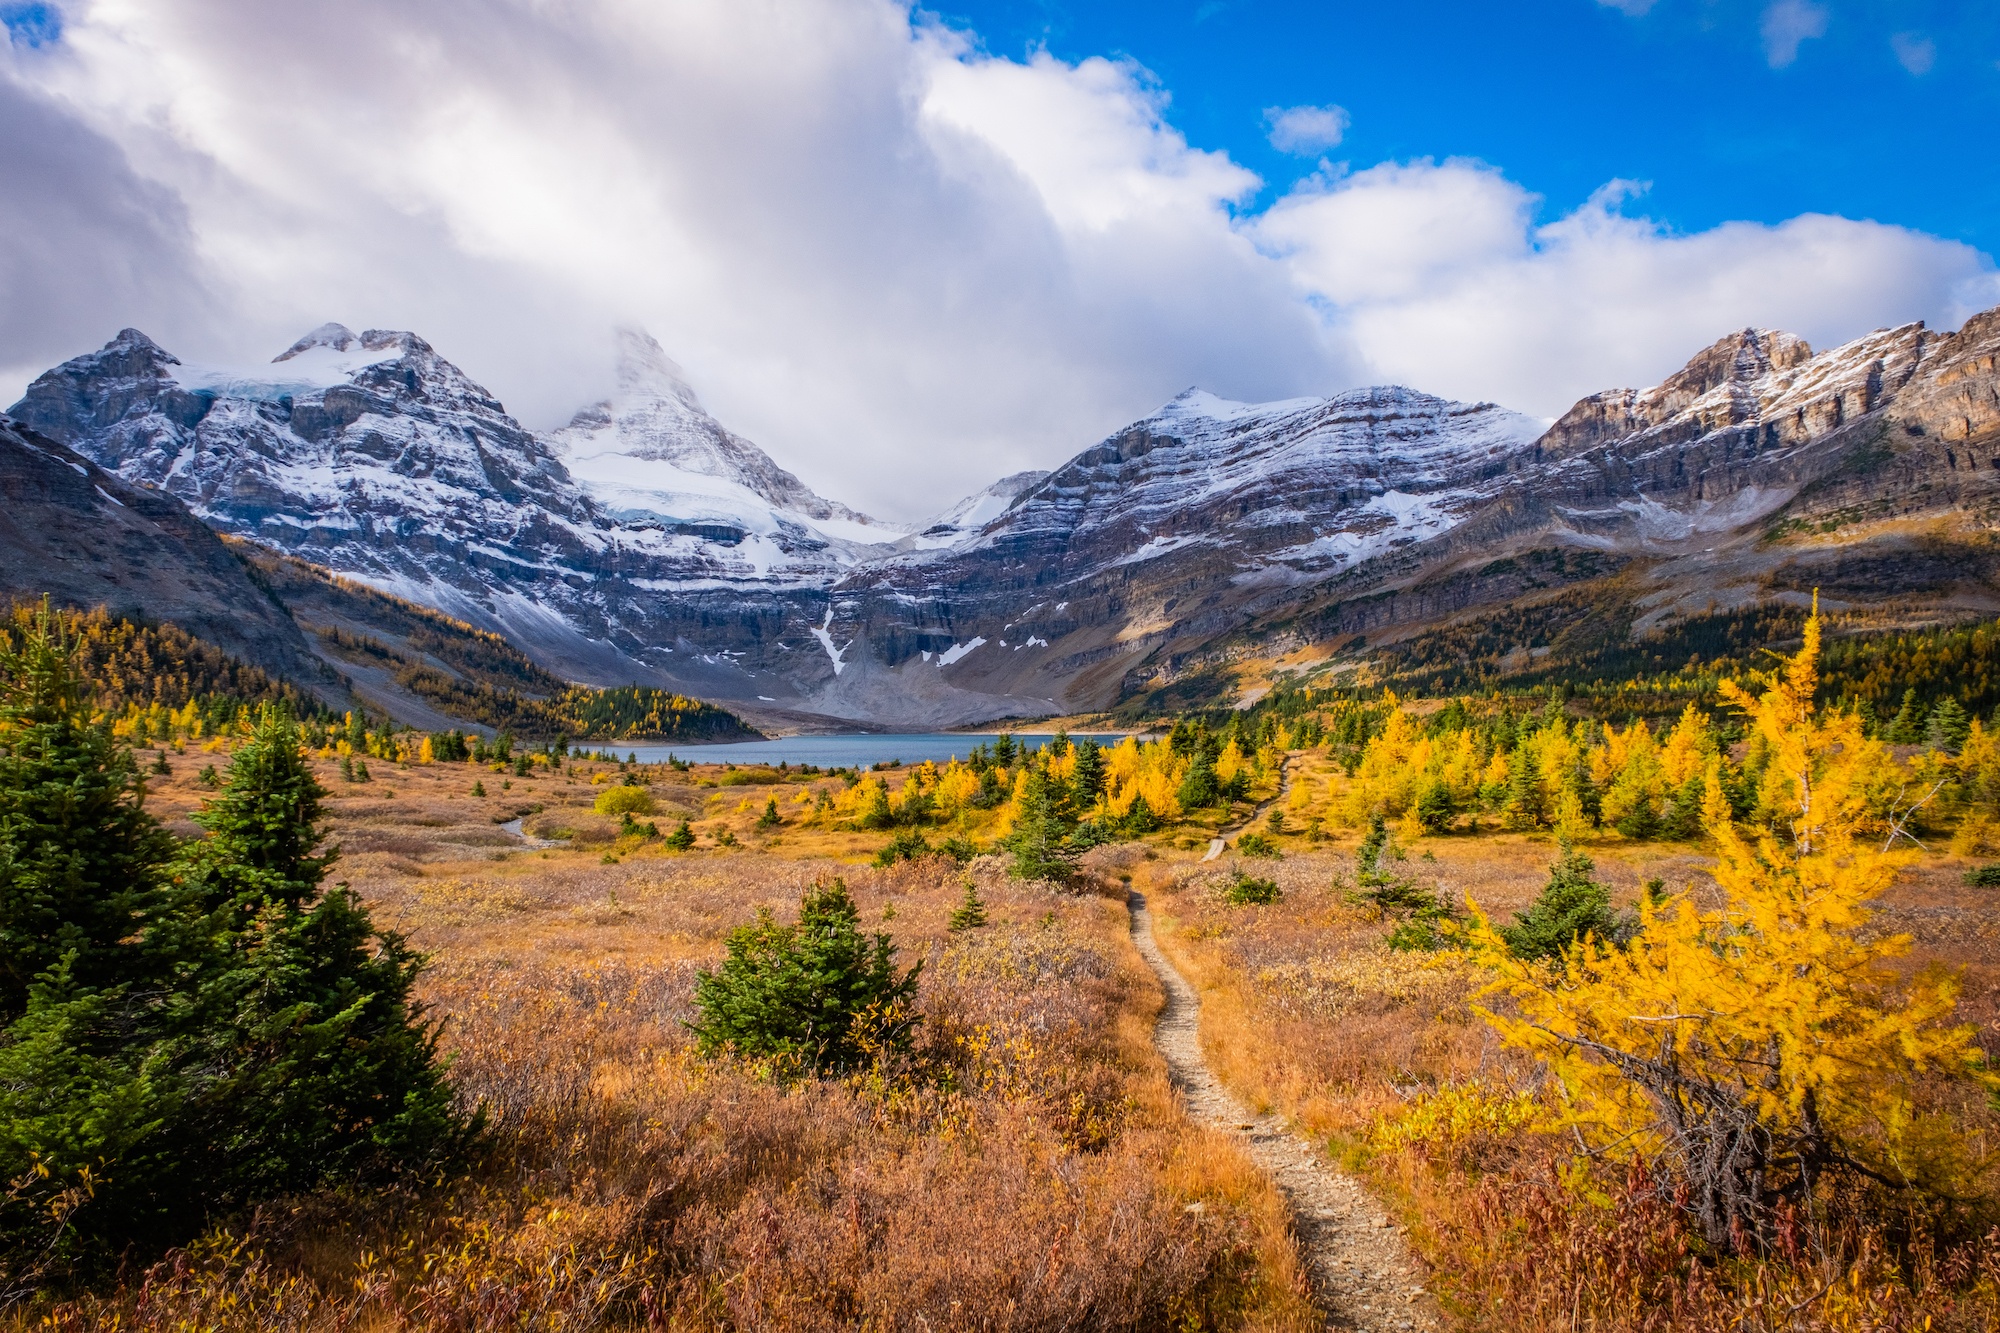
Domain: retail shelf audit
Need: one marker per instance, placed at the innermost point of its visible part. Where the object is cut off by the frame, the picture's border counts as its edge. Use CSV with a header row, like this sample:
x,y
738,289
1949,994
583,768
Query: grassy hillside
x,y
154,671
470,675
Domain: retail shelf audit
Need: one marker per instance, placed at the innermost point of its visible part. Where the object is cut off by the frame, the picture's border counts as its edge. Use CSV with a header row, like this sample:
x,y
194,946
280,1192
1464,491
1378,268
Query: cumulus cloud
x,y
1440,273
1787,25
902,265
1305,130
1914,52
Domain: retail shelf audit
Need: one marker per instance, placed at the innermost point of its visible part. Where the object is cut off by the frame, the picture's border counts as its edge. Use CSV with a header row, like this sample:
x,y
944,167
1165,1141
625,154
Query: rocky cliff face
x,y
1761,471
646,541
372,455
86,538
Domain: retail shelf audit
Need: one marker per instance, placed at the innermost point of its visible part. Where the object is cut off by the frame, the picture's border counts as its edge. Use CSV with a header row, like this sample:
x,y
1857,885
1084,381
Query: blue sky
x,y
909,249
1565,95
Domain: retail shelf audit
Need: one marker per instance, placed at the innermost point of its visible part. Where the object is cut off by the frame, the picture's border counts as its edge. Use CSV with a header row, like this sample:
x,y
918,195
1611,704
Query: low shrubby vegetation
x,y
1739,1103
1664,1019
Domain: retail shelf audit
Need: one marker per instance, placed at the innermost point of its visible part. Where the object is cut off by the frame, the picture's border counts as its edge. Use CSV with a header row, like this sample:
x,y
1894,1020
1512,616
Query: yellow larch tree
x,y
1765,1047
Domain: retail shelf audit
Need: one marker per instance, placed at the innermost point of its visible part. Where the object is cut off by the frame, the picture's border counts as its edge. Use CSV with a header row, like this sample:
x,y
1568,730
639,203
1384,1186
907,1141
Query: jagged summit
x,y
978,509
653,450
336,336
645,370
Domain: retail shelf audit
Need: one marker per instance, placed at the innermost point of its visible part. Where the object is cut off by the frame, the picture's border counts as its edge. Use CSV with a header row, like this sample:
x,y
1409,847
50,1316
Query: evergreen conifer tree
x,y
1907,728
1040,840
970,914
1571,905
1199,788
85,1080
81,863
796,995
317,1063
1088,779
1140,818
1435,806
1947,727
1526,804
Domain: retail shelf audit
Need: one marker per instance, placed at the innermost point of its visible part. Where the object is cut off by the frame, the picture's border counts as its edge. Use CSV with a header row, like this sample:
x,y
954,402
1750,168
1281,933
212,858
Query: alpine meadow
x,y
1279,797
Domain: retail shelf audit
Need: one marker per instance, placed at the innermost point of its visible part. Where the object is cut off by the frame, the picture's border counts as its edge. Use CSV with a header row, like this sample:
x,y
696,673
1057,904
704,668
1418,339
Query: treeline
x,y
1894,680
157,680
626,712
463,648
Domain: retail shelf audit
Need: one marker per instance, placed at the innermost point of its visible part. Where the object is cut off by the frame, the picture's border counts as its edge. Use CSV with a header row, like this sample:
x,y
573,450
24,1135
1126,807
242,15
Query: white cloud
x,y
1306,130
1914,52
1787,25
903,266
1438,272
1634,8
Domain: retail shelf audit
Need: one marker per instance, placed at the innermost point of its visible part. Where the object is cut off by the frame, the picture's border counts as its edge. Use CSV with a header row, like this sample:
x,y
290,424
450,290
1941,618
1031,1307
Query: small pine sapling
x,y
1571,906
1256,844
808,999
1248,891
970,914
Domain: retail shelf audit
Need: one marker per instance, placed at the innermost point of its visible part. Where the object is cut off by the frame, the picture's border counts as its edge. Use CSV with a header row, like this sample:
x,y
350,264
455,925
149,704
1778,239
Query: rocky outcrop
x,y
86,538
646,541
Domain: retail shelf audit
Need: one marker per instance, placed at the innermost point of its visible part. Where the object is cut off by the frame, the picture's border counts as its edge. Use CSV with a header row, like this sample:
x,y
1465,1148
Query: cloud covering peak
x,y
903,265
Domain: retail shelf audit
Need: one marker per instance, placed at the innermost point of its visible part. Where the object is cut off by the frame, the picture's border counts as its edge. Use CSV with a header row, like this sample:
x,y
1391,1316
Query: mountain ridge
x,y
644,538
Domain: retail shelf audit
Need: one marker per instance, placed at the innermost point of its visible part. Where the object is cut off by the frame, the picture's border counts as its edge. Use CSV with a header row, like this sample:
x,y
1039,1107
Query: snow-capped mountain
x,y
1182,519
374,456
653,459
645,540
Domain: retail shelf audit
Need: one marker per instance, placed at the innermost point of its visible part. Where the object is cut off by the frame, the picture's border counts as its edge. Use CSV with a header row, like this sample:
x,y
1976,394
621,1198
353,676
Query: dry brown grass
x,y
1026,1167
1306,1010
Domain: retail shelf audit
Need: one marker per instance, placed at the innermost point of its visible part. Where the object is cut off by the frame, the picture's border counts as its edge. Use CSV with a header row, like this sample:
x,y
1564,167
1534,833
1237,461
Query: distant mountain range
x,y
646,542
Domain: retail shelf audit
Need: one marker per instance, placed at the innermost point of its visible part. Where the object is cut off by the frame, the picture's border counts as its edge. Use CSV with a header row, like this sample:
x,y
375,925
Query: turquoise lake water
x,y
832,751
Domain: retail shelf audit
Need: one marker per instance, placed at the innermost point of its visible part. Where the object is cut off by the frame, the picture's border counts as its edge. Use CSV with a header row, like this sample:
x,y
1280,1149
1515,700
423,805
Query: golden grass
x,y
1305,1010
1026,1167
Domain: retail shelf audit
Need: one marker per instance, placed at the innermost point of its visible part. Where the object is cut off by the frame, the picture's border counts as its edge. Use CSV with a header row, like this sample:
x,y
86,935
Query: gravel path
x,y
1362,1274
1219,842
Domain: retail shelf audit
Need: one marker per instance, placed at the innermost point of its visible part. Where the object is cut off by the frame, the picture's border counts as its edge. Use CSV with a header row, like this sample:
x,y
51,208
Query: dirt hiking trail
x,y
1362,1274
1221,838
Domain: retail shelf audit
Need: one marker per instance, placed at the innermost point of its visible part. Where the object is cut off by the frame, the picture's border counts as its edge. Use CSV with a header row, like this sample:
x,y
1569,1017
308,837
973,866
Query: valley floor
x,y
1036,1162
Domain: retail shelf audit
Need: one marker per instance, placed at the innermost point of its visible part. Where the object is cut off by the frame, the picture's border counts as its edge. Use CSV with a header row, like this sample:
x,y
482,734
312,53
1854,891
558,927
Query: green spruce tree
x,y
1570,906
1907,727
317,1062
1041,837
1948,726
811,998
1526,803
1088,779
970,914
81,862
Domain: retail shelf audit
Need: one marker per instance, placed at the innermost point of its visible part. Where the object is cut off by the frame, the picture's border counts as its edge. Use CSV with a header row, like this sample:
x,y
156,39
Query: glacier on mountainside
x,y
655,461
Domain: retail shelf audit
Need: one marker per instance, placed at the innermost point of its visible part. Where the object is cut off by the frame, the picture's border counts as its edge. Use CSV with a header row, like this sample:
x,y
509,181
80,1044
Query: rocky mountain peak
x,y
338,337
1743,358
646,371
653,449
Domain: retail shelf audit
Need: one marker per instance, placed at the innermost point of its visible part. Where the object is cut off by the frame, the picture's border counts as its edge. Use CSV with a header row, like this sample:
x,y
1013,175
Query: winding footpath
x,y
1362,1275
1221,838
